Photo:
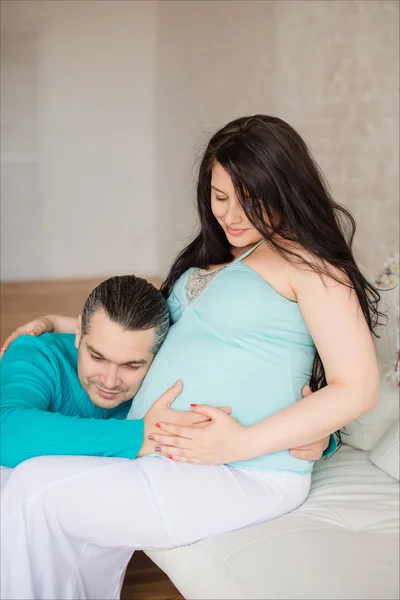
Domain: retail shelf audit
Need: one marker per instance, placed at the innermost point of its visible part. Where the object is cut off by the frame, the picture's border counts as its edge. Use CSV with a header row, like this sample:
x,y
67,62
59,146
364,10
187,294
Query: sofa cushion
x,y
385,455
342,543
365,432
386,345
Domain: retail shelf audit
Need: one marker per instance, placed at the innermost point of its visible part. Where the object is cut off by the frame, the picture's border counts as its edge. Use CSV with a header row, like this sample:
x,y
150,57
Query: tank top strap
x,y
248,252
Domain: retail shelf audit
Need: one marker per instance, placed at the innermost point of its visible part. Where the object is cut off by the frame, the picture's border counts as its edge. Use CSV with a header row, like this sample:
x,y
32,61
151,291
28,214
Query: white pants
x,y
71,524
4,474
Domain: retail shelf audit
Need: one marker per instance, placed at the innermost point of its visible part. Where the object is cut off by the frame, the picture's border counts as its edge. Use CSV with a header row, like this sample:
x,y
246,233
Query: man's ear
x,y
78,333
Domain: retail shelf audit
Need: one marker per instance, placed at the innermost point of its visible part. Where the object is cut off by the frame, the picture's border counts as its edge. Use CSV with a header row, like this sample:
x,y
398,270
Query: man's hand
x,y
221,441
312,451
161,411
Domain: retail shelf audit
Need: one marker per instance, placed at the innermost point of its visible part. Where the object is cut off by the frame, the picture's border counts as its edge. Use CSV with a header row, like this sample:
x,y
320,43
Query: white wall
x,y
336,78
101,162
330,68
94,211
214,65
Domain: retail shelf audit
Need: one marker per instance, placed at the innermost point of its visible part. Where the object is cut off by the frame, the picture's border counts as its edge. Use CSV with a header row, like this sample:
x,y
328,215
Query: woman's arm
x,y
46,324
63,324
344,342
339,330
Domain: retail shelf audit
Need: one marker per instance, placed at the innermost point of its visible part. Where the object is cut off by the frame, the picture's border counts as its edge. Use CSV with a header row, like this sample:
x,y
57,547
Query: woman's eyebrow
x,y
218,190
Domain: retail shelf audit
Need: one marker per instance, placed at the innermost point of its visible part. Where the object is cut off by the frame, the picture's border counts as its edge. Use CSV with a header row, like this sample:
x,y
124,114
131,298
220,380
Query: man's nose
x,y
109,377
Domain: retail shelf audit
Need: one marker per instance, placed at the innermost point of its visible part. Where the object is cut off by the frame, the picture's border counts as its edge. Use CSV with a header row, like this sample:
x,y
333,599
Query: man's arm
x,y
28,429
29,432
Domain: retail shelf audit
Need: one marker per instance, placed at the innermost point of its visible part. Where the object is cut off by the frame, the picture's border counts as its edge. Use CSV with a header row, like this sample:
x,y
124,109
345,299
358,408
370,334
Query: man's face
x,y
112,362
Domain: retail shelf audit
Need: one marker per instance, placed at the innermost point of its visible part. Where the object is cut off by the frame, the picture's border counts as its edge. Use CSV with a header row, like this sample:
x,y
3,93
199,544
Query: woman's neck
x,y
236,251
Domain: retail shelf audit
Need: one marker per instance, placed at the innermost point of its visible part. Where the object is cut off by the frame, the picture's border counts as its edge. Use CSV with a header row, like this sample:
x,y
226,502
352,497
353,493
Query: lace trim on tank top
x,y
198,280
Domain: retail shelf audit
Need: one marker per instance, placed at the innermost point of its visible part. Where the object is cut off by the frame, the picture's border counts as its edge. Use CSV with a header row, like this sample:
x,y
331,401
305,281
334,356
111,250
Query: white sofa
x,y
342,543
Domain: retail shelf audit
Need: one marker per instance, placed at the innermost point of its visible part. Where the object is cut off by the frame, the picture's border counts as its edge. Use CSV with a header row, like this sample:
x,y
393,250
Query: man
x,y
65,394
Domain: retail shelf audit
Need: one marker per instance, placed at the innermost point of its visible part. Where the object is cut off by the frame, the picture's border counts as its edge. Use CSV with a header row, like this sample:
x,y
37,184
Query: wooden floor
x,y
145,581
21,302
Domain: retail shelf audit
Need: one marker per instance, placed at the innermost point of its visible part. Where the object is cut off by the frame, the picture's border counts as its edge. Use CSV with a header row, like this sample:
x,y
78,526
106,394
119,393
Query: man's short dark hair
x,y
131,302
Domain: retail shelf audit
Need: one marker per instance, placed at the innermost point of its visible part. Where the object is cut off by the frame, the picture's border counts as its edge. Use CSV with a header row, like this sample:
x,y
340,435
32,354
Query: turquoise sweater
x,y
45,410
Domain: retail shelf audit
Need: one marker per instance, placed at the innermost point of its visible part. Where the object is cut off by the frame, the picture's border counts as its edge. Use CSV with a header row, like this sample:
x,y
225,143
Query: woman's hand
x,y
46,324
35,327
220,441
161,409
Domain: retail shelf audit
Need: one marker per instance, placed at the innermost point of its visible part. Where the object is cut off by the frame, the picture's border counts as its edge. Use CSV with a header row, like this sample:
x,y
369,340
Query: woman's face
x,y
226,209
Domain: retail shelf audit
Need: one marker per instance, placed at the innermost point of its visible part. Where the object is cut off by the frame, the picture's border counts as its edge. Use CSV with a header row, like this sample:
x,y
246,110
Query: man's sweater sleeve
x,y
28,429
332,447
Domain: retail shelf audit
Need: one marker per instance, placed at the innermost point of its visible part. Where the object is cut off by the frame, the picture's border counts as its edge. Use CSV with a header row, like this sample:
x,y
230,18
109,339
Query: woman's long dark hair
x,y
274,173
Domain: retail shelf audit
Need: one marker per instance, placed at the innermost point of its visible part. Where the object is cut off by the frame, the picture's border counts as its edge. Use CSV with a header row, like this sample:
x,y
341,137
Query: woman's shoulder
x,y
311,276
273,268
291,270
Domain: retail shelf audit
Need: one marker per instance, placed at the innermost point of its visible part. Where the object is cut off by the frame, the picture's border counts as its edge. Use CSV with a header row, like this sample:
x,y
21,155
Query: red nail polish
x,y
193,405
157,449
32,333
170,456
158,425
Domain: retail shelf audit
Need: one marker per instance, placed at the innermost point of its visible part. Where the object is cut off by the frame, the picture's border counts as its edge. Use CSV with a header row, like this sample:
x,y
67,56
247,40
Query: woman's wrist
x,y
50,323
249,443
61,324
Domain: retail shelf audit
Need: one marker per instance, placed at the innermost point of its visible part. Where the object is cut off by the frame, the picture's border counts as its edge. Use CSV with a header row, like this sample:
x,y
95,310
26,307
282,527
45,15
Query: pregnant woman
x,y
266,298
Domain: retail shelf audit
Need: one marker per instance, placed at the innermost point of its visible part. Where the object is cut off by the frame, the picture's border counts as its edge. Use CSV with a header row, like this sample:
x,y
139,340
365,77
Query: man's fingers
x,y
203,424
226,409
198,418
161,439
304,454
179,430
306,391
177,454
210,412
299,454
170,395
173,451
190,419
325,442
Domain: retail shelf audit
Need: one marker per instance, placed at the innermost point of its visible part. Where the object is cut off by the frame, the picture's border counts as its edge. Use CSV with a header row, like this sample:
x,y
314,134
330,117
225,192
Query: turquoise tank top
x,y
239,344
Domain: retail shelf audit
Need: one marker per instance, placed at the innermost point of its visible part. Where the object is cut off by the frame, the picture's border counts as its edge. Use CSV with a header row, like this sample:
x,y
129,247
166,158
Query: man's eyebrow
x,y
218,190
141,361
89,347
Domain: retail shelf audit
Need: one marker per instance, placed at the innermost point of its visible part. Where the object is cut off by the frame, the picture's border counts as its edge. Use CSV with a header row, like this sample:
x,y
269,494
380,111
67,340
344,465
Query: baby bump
x,y
217,374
